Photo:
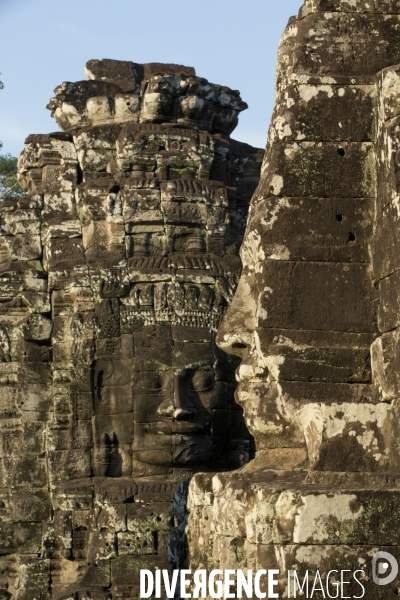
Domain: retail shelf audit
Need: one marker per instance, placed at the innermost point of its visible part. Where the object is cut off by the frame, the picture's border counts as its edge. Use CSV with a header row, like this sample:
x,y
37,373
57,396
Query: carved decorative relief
x,y
116,268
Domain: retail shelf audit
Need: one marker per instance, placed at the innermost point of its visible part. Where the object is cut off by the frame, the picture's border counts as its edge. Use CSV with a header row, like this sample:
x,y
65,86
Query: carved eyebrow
x,y
145,381
203,389
207,378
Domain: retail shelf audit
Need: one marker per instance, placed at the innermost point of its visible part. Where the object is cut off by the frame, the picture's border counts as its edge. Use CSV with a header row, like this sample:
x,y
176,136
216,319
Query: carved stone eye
x,y
150,382
203,381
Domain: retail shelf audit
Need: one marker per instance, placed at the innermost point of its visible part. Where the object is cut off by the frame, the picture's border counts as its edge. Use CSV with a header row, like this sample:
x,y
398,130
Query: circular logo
x,y
384,568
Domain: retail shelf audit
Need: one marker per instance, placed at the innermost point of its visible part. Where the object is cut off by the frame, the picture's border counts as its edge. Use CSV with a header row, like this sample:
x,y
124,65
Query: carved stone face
x,y
163,400
174,404
304,329
177,402
117,268
237,335
150,253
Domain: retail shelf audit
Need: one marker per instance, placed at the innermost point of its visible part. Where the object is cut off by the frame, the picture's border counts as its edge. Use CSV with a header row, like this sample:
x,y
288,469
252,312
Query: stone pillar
x,y
116,268
314,318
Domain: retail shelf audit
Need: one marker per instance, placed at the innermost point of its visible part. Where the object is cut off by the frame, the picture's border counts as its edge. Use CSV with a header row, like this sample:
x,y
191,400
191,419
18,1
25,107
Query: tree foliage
x,y
9,185
8,172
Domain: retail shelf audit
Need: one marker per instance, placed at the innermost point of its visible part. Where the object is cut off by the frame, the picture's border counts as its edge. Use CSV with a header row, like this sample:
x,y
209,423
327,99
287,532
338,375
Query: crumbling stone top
x,y
360,6
123,91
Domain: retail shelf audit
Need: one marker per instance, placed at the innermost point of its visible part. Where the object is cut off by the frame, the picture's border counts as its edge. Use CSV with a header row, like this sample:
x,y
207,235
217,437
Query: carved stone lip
x,y
189,428
245,374
178,428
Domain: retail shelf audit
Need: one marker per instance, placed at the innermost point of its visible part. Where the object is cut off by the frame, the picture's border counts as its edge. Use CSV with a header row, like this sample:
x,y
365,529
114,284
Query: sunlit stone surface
x,y
315,316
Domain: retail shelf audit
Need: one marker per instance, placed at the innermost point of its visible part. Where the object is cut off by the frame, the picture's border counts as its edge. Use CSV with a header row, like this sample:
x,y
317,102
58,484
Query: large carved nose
x,y
166,408
236,332
184,409
184,414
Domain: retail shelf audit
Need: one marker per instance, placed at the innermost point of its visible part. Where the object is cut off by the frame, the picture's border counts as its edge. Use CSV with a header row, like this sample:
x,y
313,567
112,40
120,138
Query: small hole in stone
x,y
128,103
341,151
352,237
238,345
128,545
339,217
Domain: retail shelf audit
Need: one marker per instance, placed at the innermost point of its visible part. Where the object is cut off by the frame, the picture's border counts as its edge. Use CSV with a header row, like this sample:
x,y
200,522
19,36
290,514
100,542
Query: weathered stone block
x,y
112,517
314,229
110,458
325,112
315,296
317,355
329,47
20,537
113,400
102,545
69,464
34,580
127,568
136,543
319,169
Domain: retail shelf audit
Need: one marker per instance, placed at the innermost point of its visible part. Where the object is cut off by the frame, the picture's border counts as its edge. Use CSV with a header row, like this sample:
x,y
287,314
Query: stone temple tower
x,y
315,317
116,268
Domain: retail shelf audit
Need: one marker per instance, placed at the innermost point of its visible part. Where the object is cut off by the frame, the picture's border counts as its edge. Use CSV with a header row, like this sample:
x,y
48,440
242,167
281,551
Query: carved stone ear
x,y
102,372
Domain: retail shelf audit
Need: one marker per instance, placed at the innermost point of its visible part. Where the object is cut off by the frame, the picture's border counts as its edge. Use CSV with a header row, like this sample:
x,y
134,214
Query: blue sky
x,y
44,43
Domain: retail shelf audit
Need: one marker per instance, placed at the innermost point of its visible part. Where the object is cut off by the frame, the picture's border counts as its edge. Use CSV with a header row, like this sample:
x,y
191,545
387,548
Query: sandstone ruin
x,y
117,266
316,314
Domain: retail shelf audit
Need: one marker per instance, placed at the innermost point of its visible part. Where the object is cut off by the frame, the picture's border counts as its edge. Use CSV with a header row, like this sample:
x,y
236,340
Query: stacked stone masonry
x,y
315,317
117,266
